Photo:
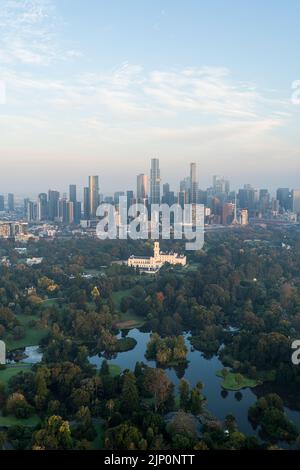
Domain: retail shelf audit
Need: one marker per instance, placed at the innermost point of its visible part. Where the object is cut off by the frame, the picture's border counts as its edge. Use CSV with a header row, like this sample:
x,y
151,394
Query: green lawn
x,y
230,383
129,320
118,296
114,370
33,335
9,421
98,443
50,302
12,370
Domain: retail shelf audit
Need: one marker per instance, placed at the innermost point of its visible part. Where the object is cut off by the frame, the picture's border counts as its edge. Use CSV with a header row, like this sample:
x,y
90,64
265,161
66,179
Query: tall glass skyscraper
x,y
94,195
194,183
142,187
155,181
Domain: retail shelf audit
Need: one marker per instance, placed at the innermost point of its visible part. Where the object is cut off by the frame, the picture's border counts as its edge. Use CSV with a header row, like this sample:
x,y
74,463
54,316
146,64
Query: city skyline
x,y
198,94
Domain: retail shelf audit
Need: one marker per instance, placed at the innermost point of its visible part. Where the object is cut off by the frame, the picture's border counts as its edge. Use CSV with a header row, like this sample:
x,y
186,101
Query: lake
x,y
219,402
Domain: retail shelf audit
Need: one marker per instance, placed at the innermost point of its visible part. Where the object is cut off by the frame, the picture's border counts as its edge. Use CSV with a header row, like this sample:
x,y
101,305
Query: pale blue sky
x,y
99,87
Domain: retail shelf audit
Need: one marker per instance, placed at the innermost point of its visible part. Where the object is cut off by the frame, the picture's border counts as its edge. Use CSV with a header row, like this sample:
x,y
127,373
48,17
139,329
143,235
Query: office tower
x,y
182,198
142,187
166,189
86,204
94,195
73,193
26,202
31,210
63,210
53,200
11,202
228,211
185,184
42,207
283,195
274,205
264,200
71,206
2,204
168,196
202,197
194,183
117,196
244,217
155,181
296,200
248,197
130,198
220,185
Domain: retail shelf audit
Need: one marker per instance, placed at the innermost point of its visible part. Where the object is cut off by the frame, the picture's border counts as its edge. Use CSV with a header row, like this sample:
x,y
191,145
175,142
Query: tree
x,y
159,385
130,393
239,379
184,394
104,368
56,435
196,401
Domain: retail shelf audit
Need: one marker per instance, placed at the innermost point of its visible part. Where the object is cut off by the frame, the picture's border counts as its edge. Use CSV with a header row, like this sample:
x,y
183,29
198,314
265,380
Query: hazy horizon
x,y
102,89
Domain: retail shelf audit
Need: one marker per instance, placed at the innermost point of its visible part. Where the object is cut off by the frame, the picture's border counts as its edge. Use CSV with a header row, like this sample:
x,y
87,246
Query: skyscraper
x,y
142,187
194,183
86,203
296,201
73,193
2,205
53,200
11,203
94,195
42,207
283,195
155,181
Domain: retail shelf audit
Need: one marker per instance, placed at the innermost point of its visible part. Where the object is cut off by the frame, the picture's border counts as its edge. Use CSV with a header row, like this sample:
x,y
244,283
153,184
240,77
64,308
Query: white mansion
x,y
153,263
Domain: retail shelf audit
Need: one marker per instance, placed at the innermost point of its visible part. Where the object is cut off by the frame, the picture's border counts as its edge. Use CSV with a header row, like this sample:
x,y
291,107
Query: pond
x,y
219,402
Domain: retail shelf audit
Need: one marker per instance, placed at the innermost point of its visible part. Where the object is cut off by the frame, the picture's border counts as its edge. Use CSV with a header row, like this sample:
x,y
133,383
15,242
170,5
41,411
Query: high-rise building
x,y
30,210
63,210
86,204
155,181
244,217
73,193
130,198
117,196
283,195
296,201
142,187
168,196
182,198
220,185
11,202
71,207
194,183
94,195
53,208
228,213
42,207
2,204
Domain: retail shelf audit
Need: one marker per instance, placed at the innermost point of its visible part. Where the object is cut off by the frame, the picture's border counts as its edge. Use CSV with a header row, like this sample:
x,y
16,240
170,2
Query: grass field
x,y
50,302
12,370
230,382
128,320
33,335
118,296
114,370
98,443
9,421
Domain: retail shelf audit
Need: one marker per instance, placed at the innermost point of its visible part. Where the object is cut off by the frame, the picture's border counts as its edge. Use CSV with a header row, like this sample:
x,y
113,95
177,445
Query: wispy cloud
x,y
29,33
